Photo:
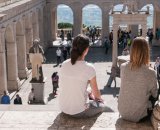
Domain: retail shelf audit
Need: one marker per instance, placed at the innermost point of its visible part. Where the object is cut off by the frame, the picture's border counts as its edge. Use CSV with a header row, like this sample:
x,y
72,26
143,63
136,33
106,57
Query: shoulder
x,y
151,71
90,65
124,65
66,62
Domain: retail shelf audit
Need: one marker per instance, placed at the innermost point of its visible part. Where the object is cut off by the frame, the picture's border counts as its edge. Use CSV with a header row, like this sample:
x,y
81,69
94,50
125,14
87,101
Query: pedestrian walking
x,y
58,53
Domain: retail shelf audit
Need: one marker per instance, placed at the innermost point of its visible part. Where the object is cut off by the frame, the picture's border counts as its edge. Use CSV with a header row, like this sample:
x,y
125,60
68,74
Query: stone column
x,y
134,30
54,22
28,36
114,48
144,30
21,53
105,24
3,72
156,21
13,80
77,15
12,65
47,25
36,27
41,31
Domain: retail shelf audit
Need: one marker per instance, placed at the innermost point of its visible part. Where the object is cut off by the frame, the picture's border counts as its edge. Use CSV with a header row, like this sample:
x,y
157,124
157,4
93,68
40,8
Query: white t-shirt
x,y
58,52
73,82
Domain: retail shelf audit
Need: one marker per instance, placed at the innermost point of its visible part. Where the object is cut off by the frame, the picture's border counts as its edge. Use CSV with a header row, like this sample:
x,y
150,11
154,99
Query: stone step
x,y
41,117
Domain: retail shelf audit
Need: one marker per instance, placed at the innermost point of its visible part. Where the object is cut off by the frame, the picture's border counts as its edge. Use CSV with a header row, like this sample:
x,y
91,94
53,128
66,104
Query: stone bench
x,y
40,117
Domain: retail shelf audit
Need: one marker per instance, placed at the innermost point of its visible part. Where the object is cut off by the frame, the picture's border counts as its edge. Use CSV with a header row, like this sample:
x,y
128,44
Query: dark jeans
x,y
58,60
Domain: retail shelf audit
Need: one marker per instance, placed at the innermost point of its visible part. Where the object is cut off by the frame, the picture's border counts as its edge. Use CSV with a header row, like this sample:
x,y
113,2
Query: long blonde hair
x,y
140,54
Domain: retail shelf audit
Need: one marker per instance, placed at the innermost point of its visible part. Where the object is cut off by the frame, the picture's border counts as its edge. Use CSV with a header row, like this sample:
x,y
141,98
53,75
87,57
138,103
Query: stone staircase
x,y
44,117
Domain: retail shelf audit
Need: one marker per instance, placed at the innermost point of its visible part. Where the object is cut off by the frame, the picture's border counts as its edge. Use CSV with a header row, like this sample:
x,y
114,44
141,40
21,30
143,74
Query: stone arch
x,y
9,36
11,59
58,10
96,7
151,17
21,50
92,19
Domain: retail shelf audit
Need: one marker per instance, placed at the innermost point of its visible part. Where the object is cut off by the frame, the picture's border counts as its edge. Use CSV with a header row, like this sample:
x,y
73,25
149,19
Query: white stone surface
x,y
54,120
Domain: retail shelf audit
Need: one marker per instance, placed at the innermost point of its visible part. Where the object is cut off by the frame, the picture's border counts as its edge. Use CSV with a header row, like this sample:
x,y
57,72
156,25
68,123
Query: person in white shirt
x,y
74,77
31,97
58,53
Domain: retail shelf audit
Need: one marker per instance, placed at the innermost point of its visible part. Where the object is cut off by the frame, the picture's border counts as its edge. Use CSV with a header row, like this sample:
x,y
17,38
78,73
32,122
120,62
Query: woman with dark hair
x,y
74,77
138,90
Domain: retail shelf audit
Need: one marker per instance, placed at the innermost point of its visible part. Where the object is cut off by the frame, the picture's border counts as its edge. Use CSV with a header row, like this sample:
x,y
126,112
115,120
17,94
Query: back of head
x,y
139,53
80,44
5,93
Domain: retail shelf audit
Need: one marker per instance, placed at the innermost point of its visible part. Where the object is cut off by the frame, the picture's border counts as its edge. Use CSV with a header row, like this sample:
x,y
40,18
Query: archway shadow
x,y
110,91
51,96
63,121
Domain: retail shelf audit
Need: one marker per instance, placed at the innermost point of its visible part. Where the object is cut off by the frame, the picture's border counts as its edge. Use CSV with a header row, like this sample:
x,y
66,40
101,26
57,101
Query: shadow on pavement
x,y
110,91
63,121
51,96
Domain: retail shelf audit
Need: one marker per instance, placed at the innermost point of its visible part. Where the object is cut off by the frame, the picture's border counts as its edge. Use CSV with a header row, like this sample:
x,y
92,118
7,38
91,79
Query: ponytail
x,y
80,44
74,56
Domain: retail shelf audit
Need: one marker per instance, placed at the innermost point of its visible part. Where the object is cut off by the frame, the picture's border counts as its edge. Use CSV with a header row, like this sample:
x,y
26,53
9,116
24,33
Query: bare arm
x,y
95,91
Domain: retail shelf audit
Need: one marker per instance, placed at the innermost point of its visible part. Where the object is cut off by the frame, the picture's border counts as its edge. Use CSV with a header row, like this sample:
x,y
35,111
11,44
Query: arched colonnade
x,y
105,7
16,37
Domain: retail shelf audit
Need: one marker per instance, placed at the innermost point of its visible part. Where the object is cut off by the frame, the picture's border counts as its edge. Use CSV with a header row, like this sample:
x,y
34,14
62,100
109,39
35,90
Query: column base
x,y
13,85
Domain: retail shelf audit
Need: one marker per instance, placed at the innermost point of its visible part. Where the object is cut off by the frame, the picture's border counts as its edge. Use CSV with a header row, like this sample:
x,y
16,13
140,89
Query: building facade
x,y
21,21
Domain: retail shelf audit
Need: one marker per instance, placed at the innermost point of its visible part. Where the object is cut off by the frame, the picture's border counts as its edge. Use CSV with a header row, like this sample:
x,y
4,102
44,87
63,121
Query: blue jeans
x,y
94,109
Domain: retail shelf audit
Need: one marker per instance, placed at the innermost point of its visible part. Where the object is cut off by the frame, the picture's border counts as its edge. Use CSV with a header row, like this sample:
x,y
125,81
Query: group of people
x,y
65,52
5,99
138,89
93,33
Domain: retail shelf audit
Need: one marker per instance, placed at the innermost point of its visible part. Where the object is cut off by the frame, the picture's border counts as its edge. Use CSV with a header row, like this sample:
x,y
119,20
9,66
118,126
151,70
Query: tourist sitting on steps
x,y
138,87
74,77
18,99
31,97
5,99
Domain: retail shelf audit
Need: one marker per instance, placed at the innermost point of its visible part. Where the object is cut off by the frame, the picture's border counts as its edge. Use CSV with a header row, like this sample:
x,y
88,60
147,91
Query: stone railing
x,y
7,2
84,31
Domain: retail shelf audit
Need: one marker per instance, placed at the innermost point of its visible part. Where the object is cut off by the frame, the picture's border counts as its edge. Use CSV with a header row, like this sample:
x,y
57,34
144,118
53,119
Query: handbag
x,y
155,118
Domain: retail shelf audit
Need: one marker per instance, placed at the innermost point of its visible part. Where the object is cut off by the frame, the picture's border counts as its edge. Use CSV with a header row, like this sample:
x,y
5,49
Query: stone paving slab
x,y
54,120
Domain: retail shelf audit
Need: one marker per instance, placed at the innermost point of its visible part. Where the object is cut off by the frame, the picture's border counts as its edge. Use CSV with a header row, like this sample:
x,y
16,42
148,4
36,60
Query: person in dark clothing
x,y
55,79
62,35
69,37
18,99
106,44
64,52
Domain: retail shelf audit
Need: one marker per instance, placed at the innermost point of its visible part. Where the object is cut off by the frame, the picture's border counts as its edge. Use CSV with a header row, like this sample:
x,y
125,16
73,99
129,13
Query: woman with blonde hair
x,y
138,83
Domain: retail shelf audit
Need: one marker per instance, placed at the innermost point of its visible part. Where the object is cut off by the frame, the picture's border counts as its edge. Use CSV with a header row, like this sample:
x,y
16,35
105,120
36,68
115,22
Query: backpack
x,y
55,78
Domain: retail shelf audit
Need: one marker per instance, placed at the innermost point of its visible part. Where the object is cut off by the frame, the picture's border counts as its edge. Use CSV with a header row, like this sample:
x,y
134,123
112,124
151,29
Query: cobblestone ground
x,y
102,63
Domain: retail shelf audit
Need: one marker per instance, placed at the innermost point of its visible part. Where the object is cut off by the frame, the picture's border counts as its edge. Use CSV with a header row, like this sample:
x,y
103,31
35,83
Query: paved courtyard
x,y
102,63
48,117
